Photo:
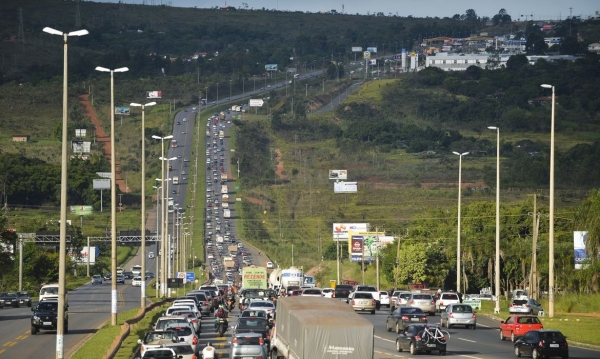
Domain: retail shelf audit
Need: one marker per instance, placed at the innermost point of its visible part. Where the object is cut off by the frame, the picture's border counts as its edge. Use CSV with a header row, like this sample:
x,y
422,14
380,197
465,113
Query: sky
x,y
540,9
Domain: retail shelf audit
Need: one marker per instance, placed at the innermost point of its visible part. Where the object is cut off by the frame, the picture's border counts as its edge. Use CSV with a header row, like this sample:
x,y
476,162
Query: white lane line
x,y
469,356
384,339
467,340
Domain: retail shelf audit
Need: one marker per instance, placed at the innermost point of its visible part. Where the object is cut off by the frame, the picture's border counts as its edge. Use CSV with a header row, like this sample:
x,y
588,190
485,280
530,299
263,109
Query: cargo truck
x,y
232,248
221,134
223,177
228,262
320,328
224,189
225,197
226,213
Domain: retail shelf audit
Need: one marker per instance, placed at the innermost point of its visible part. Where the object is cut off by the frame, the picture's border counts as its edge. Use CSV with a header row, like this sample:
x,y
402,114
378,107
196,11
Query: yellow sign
x,y
366,55
332,283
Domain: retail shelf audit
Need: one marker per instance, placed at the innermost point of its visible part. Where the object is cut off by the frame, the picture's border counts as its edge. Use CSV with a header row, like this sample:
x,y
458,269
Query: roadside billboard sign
x,y
345,187
153,94
372,50
82,210
579,239
356,48
340,230
338,174
256,102
366,55
271,67
122,110
91,252
368,242
102,183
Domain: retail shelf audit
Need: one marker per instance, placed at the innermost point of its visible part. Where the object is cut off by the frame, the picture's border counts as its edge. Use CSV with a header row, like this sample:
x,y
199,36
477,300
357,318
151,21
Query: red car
x,y
516,326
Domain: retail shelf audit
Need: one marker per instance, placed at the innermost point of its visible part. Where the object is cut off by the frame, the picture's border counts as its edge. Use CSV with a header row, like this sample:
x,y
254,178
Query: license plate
x,y
414,319
431,345
554,345
464,320
47,323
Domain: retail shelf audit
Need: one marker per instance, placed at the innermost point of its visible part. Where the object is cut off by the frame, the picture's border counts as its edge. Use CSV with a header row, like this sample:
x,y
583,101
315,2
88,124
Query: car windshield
x,y
253,313
23,294
363,296
410,310
262,305
519,301
421,296
9,294
154,336
312,291
47,306
556,336
241,340
181,331
462,309
450,296
162,324
251,323
182,349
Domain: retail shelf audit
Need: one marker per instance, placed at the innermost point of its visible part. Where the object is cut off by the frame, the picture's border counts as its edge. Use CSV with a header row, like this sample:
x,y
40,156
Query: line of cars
x,y
15,299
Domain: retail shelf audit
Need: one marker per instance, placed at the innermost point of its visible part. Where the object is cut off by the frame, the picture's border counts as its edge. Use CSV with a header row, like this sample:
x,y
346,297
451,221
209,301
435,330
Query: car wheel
x,y
517,352
413,348
442,352
513,337
397,328
474,326
33,330
66,327
501,336
387,326
535,354
398,346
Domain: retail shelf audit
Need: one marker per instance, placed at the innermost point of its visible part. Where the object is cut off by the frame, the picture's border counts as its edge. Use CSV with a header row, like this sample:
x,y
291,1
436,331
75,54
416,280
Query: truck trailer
x,y
320,328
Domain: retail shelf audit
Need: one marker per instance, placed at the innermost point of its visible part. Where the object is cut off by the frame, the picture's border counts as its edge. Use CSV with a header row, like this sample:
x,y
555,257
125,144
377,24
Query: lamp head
x,y
102,69
546,86
78,33
493,127
135,104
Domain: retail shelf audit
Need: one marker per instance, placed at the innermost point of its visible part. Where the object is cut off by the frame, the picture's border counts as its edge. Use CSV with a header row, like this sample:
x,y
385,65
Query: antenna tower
x,y
21,34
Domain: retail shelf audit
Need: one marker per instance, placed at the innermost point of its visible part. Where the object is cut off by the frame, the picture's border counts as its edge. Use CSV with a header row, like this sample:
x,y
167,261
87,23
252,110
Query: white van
x,y
50,291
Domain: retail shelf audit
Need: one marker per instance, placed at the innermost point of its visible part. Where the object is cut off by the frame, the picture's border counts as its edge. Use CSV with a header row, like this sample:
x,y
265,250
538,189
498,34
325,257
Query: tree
x,y
515,62
535,44
570,46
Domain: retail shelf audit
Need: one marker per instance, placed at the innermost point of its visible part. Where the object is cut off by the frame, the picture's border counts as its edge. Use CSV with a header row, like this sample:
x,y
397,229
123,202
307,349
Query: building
x,y
20,138
460,62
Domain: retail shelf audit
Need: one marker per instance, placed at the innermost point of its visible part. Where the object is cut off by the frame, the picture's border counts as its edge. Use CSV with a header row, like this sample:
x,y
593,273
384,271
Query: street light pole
x,y
164,211
113,192
460,156
63,196
230,89
551,215
217,93
158,220
143,224
497,264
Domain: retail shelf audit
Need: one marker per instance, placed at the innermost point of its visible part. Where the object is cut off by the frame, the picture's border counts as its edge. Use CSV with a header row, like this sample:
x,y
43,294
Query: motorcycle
x,y
230,304
221,326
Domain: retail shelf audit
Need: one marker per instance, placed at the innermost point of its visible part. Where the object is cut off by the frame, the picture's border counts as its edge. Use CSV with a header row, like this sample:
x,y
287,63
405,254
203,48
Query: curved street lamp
x,y
497,264
460,156
551,215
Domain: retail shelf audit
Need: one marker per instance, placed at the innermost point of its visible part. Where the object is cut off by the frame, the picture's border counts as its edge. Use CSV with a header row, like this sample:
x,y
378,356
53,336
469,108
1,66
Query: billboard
x,y
82,210
153,94
363,246
271,67
372,50
292,69
92,252
103,183
80,132
81,146
338,174
345,187
122,110
373,62
356,49
340,230
579,239
366,55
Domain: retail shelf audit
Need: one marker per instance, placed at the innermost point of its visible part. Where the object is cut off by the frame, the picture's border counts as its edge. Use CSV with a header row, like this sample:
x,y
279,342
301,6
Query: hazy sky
x,y
540,9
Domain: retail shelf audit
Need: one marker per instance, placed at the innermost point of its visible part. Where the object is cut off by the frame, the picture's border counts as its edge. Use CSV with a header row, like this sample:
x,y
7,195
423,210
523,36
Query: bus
x,y
173,143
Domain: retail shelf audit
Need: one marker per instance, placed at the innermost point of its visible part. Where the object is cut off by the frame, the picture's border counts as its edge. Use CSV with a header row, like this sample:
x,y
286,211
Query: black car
x,y
402,317
45,315
252,325
10,299
421,338
107,277
149,275
24,298
342,291
127,275
542,344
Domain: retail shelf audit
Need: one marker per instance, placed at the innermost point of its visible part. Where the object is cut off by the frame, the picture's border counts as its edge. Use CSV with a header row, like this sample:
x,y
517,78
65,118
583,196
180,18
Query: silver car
x,y
424,301
362,302
525,306
248,345
458,314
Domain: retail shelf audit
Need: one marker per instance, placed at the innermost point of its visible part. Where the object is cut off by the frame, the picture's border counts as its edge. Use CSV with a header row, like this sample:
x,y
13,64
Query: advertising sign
x,y
271,67
366,55
356,48
356,244
345,187
373,62
92,252
103,183
475,303
579,239
340,230
80,132
122,110
153,94
254,277
190,277
338,174
372,50
82,210
369,242
256,102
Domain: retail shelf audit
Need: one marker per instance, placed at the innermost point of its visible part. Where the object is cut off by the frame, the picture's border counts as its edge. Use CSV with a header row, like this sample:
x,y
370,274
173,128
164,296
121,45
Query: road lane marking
x,y
390,354
384,339
467,340
21,337
469,356
2,351
9,344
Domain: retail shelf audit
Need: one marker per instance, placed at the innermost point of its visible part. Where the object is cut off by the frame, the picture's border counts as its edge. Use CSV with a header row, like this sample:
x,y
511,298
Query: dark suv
x,y
45,315
342,291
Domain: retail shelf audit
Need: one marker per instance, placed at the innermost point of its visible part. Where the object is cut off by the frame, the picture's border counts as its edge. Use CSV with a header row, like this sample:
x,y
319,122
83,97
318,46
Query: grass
x,y
103,338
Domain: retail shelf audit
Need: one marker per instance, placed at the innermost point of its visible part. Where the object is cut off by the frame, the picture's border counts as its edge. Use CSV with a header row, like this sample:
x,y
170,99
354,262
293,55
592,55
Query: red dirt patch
x,y
103,138
253,200
279,170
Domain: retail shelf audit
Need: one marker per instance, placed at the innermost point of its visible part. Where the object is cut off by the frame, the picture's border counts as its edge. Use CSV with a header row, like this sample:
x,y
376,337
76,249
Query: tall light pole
x,y
497,265
63,195
164,211
143,224
113,193
460,156
158,220
230,89
206,104
551,215
217,93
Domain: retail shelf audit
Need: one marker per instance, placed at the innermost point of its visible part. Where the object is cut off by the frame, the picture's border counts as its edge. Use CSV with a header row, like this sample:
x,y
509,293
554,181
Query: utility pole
x,y
534,277
570,19
397,264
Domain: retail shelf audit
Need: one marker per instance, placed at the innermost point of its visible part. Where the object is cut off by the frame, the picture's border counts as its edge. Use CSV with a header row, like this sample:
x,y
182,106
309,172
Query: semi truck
x,y
228,262
223,177
226,213
320,328
232,248
254,277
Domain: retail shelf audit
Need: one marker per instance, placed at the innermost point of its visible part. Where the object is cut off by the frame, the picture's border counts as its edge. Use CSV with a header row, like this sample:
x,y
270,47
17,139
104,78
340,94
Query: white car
x,y
327,292
150,254
384,298
187,333
312,292
136,282
269,265
264,305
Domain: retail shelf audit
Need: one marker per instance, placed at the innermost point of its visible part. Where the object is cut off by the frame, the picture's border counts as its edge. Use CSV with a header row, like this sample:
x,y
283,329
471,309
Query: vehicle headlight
x,y
36,318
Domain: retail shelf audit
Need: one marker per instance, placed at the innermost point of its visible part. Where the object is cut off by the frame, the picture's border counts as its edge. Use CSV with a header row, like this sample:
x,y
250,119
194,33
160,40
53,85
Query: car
x,y
120,279
10,299
136,282
384,298
269,265
107,277
362,302
418,338
515,326
342,291
327,292
253,325
525,306
422,300
312,292
401,317
445,299
150,254
127,275
182,350
185,333
184,119
458,314
162,322
193,318
155,338
96,279
45,316
183,132
149,275
248,345
542,343
24,298
394,299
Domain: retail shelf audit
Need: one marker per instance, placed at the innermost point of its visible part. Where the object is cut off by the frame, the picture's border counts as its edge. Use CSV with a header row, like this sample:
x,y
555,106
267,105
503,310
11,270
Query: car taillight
x,y
234,341
412,302
195,340
405,318
424,319
541,344
333,295
432,302
451,315
417,337
473,316
441,303
261,341
373,303
206,303
194,356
